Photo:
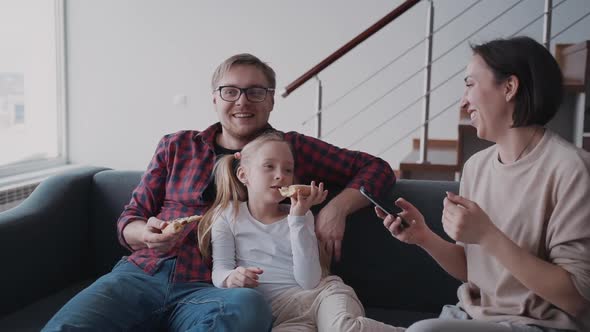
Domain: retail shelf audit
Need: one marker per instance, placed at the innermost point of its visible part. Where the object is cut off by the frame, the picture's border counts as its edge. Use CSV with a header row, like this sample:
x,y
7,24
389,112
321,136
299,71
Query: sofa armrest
x,y
44,240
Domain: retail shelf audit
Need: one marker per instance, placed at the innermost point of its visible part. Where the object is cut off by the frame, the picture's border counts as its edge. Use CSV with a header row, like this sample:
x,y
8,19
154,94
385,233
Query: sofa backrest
x,y
384,272
387,273
111,192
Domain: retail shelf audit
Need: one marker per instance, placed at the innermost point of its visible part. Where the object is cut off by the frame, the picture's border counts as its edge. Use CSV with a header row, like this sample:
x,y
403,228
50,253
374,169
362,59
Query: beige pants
x,y
340,312
331,306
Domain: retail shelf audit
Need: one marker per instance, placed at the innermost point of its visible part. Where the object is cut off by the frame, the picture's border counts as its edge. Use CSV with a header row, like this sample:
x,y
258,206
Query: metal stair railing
x,y
404,53
450,106
423,125
462,69
414,74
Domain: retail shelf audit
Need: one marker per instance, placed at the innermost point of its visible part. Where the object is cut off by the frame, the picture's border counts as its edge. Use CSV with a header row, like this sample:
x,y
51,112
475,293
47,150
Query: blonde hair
x,y
228,186
247,60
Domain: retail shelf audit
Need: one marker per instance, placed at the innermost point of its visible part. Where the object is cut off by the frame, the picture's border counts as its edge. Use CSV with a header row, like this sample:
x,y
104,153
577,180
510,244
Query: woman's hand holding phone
x,y
417,232
386,208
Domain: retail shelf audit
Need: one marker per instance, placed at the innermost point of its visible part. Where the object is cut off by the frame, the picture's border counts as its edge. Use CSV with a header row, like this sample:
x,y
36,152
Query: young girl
x,y
522,221
259,243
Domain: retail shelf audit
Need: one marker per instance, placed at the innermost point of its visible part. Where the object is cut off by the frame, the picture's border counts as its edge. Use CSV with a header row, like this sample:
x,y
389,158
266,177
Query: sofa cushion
x,y
34,316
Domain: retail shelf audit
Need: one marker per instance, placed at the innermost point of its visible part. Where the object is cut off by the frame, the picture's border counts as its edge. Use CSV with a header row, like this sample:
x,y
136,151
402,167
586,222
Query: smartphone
x,y
389,209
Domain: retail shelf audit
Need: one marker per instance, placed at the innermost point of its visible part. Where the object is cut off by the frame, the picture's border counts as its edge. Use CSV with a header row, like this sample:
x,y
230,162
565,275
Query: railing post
x,y
426,104
319,109
547,24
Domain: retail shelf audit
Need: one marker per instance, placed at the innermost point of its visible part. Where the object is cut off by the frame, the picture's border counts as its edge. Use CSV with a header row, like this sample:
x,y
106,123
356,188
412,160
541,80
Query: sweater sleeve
x,y
568,230
304,246
224,251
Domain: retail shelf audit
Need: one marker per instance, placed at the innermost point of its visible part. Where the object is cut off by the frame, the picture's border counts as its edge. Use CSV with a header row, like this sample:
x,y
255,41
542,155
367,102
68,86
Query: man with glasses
x,y
166,282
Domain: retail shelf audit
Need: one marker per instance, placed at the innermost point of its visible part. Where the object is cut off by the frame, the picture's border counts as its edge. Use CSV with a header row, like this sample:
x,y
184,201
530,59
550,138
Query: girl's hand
x,y
416,233
243,277
300,204
464,221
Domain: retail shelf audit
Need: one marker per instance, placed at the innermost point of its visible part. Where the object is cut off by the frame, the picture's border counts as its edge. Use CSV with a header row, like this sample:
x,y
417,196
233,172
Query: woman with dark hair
x,y
522,219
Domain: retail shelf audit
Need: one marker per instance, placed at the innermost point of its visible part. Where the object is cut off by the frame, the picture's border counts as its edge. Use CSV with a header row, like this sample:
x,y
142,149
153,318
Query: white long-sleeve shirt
x,y
286,250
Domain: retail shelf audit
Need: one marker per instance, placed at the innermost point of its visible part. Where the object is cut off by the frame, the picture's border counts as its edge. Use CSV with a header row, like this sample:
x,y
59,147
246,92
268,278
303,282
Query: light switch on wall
x,y
179,100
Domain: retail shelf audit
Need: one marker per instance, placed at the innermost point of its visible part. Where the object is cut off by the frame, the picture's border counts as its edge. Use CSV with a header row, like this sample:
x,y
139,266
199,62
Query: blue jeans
x,y
128,299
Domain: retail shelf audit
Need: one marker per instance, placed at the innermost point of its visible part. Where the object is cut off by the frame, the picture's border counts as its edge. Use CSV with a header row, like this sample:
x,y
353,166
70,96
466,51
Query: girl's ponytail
x,y
229,189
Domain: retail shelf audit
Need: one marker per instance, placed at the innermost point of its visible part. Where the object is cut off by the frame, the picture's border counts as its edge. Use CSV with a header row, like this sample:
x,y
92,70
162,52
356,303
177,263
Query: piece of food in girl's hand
x,y
292,190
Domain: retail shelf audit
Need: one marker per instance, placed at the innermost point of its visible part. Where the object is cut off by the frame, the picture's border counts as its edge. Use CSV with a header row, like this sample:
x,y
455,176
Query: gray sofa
x,y
63,237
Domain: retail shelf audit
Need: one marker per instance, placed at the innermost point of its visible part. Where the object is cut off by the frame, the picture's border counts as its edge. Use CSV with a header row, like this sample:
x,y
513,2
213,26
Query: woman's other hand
x,y
464,221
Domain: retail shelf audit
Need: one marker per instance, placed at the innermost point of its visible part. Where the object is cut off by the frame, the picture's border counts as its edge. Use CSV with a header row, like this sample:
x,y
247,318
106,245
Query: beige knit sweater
x,y
542,203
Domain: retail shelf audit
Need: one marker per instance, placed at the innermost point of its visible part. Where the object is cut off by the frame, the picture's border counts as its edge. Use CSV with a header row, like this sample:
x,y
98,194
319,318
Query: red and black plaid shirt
x,y
180,171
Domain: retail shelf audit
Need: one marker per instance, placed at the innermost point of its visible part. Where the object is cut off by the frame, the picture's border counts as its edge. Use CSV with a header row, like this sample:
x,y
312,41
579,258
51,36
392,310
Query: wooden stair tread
x,y
441,165
442,160
437,159
573,61
435,144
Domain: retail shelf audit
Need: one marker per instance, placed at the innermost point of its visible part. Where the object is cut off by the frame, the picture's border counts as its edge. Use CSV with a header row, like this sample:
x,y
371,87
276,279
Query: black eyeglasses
x,y
253,94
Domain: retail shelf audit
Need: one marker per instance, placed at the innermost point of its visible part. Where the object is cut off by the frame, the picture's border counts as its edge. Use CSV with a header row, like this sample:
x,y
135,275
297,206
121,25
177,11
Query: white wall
x,y
128,59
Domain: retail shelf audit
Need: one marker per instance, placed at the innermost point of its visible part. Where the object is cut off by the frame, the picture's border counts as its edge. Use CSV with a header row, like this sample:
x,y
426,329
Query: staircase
x,y
446,158
442,156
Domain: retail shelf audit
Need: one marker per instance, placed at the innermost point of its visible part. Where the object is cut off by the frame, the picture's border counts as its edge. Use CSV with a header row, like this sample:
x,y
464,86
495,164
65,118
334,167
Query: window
x,y
32,130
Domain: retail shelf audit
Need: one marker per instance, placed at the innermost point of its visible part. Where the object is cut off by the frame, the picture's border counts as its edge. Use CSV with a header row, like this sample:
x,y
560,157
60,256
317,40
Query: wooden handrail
x,y
349,46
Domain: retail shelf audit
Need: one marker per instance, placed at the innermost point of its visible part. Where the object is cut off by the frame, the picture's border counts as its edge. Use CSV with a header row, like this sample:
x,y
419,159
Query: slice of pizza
x,y
177,225
292,190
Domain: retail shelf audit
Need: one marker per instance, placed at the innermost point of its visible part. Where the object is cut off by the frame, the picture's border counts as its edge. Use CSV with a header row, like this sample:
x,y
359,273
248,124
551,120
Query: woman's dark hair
x,y
540,89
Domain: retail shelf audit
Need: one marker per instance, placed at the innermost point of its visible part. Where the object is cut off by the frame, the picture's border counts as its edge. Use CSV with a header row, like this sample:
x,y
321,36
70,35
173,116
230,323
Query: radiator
x,y
13,196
